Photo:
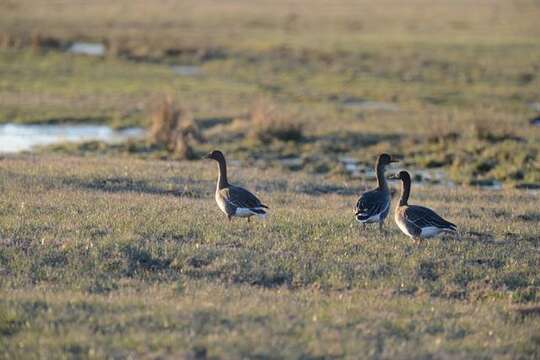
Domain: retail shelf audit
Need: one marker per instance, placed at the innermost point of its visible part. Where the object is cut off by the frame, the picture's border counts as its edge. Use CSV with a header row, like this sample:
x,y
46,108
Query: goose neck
x,y
405,191
222,175
381,180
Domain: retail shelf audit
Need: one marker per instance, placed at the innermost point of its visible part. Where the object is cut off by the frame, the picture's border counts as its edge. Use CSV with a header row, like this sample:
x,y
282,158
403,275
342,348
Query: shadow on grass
x,y
343,141
316,189
209,122
122,184
141,259
181,187
70,120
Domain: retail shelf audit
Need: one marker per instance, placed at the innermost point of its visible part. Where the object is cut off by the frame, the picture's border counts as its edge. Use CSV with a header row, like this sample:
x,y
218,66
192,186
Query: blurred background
x,y
314,86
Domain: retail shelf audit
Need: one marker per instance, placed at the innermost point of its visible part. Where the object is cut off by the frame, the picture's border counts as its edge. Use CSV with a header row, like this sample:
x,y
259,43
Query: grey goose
x,y
234,200
417,222
373,206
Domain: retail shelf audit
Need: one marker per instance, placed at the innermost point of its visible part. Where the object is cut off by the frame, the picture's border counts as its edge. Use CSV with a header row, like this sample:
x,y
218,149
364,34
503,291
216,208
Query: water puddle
x,y
18,137
292,162
368,105
535,106
87,48
357,170
535,121
187,70
432,177
488,184
420,177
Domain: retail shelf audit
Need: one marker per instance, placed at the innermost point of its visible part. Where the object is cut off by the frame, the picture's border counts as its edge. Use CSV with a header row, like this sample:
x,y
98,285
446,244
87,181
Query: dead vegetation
x,y
269,123
174,129
37,41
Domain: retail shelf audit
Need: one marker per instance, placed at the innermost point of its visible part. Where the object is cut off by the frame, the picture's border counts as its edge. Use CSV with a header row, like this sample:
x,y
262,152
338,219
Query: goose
x,y
373,206
417,222
234,200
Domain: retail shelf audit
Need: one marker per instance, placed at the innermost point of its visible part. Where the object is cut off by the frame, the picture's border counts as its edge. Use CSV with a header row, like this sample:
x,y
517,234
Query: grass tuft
x,y
269,123
174,129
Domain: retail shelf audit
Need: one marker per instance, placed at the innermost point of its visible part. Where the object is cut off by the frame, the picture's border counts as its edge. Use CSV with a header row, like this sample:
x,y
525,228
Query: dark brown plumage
x,y
234,200
416,221
373,206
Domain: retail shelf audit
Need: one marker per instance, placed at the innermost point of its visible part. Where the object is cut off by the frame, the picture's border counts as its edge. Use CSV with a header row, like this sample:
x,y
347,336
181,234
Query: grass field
x,y
119,251
125,257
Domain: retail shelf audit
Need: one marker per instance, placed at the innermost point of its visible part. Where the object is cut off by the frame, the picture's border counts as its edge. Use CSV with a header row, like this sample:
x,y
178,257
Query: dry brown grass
x,y
485,131
269,123
7,41
173,128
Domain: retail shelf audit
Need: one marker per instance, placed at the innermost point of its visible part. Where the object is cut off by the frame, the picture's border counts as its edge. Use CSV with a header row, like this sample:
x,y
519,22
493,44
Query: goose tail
x,y
362,217
260,211
451,227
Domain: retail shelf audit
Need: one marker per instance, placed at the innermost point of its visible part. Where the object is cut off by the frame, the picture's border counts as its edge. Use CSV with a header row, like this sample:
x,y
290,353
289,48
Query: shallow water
x,y
535,106
420,177
292,161
20,137
86,48
187,70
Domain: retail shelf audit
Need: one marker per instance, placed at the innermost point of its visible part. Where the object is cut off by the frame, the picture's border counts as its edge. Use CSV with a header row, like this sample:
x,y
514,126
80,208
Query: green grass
x,y
451,86
97,254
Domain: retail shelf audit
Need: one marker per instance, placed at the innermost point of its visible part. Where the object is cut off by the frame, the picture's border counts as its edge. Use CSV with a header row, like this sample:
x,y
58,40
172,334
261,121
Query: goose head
x,y
402,175
215,155
385,159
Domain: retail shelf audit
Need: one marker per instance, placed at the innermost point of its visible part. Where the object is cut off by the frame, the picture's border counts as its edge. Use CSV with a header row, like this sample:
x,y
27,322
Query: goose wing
x,y
241,198
423,217
371,203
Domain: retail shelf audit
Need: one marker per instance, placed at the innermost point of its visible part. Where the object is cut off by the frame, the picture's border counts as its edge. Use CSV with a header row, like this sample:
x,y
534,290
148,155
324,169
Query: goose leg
x,y
229,218
248,218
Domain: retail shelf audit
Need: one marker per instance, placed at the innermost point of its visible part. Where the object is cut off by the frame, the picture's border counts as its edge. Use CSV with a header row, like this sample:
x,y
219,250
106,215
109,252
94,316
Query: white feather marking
x,y
246,212
401,225
430,231
221,203
374,218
